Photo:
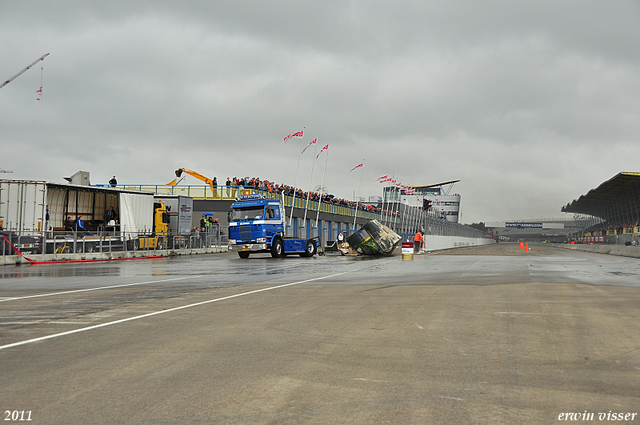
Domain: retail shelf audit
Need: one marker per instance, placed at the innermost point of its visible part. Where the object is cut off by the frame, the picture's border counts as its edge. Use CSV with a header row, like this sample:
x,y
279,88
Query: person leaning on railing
x,y
279,189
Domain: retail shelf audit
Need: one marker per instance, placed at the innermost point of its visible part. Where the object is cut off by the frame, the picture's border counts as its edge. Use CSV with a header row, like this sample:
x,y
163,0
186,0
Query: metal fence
x,y
404,219
77,242
414,219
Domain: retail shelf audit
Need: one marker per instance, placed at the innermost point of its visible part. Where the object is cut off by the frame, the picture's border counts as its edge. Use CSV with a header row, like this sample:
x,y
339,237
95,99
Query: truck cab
x,y
257,224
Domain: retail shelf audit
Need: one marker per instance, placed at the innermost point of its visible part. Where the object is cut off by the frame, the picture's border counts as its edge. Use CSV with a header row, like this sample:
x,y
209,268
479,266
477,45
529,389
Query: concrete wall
x,y
10,260
622,250
434,243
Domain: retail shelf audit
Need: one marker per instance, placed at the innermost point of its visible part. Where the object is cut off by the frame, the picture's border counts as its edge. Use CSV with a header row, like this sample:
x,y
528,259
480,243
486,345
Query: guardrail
x,y
72,242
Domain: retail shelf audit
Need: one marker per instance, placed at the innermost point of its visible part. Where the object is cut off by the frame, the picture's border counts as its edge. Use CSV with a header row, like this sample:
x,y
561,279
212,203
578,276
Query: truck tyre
x,y
309,249
277,248
243,254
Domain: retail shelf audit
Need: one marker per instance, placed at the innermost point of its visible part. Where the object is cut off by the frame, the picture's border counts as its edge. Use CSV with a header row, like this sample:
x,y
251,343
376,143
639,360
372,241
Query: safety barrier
x,y
106,245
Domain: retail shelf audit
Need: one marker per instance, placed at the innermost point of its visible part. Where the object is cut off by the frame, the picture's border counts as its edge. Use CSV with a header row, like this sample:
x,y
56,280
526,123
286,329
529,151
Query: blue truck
x,y
257,224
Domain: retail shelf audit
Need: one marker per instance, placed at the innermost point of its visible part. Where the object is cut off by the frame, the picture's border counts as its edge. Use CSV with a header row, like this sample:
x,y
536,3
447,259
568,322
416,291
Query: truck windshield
x,y
248,213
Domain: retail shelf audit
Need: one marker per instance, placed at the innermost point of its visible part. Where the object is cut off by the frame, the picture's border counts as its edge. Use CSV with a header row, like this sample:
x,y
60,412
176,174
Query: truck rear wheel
x,y
309,249
243,254
277,248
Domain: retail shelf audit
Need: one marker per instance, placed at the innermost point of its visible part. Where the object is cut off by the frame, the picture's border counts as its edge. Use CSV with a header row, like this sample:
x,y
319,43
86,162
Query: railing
x,y
71,242
406,222
230,193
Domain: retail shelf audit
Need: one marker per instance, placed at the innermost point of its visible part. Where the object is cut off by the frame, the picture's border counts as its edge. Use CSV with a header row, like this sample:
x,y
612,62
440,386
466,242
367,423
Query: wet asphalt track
x,y
475,335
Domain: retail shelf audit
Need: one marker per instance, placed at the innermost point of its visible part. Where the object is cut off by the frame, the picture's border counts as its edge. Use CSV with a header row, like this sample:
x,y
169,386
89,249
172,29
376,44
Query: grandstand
x,y
614,211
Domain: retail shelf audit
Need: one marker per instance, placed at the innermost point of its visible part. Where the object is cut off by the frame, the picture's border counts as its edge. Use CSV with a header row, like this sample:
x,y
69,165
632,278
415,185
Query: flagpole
x,y
407,209
384,200
41,80
382,206
306,207
326,159
355,216
396,204
393,206
416,217
295,182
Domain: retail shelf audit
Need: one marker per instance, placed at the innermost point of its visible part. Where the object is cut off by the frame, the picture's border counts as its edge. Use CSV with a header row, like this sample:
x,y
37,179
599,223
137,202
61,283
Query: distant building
x,y
542,229
443,205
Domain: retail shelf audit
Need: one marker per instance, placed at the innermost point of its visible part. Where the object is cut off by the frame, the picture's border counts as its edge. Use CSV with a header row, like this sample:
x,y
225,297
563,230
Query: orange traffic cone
x,y
521,245
526,247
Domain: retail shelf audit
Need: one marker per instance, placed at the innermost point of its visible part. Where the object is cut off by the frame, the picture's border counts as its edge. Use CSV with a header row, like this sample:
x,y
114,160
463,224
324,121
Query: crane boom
x,y
23,71
197,175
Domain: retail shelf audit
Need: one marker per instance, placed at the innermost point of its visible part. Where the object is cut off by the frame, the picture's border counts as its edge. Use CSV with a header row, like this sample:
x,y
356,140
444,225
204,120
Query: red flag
x,y
323,149
313,142
299,134
357,166
382,179
39,94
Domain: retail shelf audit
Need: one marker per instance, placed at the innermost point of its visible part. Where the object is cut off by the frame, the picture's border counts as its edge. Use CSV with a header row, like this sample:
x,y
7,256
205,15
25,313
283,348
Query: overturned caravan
x,y
374,238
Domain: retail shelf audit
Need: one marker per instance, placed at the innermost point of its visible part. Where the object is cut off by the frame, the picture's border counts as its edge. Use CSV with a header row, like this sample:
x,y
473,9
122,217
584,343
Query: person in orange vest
x,y
417,242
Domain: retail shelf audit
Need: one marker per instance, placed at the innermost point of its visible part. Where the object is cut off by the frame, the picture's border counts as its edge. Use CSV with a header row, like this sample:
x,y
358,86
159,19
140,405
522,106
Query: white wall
x,y
434,243
22,205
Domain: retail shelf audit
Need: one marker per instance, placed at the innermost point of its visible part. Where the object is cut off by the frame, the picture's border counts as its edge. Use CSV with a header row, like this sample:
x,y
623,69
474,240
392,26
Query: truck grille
x,y
245,233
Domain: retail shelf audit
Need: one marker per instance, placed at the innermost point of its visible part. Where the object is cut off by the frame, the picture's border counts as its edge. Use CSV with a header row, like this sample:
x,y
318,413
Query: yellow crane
x,y
197,175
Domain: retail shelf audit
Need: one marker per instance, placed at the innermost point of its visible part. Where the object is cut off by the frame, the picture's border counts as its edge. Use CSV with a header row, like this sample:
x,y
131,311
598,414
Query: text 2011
x,y
17,415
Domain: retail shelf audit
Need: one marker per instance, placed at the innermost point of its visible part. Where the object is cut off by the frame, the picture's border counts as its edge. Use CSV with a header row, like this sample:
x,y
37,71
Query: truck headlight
x,y
261,240
232,241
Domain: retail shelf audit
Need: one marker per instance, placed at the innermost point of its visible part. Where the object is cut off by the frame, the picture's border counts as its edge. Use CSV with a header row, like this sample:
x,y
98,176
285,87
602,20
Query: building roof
x,y
432,185
616,200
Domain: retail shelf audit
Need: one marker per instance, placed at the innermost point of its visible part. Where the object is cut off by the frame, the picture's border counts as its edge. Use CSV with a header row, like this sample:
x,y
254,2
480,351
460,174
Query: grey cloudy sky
x,y
529,104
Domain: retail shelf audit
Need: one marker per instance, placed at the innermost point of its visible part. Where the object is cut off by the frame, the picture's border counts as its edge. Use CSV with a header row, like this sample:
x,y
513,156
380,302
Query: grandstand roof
x,y
432,185
616,200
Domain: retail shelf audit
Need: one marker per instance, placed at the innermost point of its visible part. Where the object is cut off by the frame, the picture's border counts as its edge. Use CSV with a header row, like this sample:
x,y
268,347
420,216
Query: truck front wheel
x,y
243,254
277,248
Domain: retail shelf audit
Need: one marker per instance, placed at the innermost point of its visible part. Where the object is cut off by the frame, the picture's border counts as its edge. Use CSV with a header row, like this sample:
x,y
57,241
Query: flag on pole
x,y
313,142
39,94
382,178
299,134
323,149
357,166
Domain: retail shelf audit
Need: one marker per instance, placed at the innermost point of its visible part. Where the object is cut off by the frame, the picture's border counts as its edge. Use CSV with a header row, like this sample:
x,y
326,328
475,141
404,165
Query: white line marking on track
x,y
95,289
369,380
171,310
451,398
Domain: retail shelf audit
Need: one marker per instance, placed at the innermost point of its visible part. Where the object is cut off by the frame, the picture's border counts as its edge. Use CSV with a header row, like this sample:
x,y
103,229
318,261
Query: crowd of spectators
x,y
278,189
618,228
